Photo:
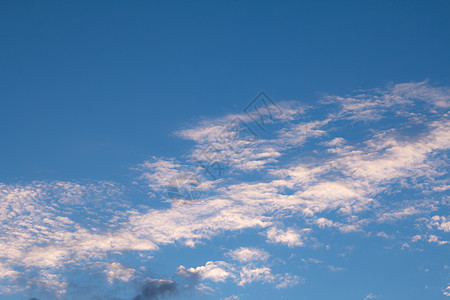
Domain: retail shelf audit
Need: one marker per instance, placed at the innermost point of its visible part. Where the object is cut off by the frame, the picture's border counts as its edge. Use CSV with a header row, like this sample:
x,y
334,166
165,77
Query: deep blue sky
x,y
94,86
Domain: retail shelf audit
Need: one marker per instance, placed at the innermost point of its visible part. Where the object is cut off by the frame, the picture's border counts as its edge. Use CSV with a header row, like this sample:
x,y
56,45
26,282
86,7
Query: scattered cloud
x,y
282,187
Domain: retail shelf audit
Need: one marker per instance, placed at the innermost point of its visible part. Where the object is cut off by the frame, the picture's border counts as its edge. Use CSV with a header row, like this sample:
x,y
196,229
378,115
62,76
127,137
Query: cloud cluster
x,y
352,162
251,267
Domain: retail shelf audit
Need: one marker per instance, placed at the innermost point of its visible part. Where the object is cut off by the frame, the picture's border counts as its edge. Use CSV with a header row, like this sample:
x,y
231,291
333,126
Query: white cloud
x,y
159,172
399,214
244,254
371,105
438,96
217,271
220,271
6,271
116,271
291,237
440,222
435,239
250,274
288,280
297,134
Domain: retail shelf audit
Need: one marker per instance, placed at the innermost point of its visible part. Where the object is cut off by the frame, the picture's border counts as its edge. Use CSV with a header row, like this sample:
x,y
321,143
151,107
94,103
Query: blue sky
x,y
224,150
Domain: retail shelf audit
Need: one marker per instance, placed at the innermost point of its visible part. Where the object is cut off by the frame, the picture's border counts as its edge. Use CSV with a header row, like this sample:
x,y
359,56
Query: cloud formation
x,y
392,168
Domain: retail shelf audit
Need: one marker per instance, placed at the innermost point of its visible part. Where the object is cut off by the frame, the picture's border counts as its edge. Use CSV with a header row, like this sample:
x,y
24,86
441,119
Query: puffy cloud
x,y
217,271
249,274
291,237
435,239
440,222
244,254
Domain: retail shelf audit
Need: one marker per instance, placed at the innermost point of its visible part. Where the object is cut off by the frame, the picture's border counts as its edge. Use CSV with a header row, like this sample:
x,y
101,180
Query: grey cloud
x,y
157,288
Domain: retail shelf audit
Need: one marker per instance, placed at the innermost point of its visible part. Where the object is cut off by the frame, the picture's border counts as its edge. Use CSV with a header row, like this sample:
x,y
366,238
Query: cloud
x,y
297,134
233,297
235,142
326,223
335,269
156,289
345,182
220,271
159,172
399,214
438,96
446,291
370,296
291,237
49,283
116,271
244,254
440,222
287,280
435,239
217,271
374,104
250,274
6,271
40,231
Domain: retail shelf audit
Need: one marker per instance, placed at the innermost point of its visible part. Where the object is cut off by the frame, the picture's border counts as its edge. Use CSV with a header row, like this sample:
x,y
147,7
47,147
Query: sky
x,y
224,150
